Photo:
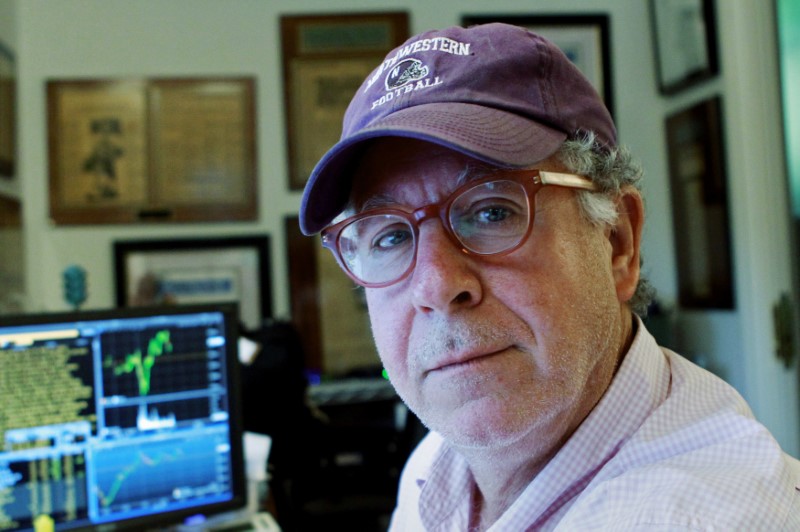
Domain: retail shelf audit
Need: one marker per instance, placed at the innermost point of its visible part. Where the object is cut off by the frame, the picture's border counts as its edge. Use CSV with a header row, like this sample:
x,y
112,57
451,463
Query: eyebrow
x,y
470,172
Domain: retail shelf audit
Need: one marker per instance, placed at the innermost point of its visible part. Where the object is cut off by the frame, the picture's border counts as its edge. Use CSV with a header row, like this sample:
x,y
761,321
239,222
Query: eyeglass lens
x,y
488,218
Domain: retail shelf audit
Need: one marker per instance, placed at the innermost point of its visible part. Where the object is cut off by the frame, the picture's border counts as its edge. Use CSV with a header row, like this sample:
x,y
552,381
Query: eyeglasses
x,y
491,216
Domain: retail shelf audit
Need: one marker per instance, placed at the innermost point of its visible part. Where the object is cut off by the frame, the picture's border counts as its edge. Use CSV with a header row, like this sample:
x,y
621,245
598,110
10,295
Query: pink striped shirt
x,y
669,447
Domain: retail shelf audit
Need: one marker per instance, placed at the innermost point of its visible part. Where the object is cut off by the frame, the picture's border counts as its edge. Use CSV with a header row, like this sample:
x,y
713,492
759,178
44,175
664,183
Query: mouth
x,y
464,361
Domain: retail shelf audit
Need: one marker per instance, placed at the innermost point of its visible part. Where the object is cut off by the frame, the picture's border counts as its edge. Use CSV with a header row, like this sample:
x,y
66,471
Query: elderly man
x,y
479,195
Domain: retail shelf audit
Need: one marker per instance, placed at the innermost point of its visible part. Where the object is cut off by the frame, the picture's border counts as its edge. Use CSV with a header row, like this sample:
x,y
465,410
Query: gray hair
x,y
611,170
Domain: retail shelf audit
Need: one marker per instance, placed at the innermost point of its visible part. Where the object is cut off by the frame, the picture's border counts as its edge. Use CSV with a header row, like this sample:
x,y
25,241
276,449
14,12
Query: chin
x,y
491,424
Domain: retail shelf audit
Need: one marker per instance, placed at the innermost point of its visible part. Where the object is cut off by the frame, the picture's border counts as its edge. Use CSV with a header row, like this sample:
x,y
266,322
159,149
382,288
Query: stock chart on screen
x,y
117,417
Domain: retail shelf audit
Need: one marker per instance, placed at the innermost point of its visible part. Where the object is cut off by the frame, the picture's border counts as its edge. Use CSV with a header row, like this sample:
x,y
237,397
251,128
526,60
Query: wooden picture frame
x,y
328,309
585,39
12,249
325,60
8,113
700,206
196,270
685,42
152,150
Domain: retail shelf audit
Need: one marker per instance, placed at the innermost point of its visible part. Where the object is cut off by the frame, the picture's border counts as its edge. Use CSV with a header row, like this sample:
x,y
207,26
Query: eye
x,y
391,239
492,213
489,212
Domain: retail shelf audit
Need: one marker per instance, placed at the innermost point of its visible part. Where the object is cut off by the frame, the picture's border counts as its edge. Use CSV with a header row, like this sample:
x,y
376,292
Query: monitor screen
x,y
119,417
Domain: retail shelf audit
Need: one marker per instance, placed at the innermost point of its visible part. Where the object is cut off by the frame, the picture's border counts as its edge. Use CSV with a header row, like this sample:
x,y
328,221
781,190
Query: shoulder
x,y
699,461
415,472
675,496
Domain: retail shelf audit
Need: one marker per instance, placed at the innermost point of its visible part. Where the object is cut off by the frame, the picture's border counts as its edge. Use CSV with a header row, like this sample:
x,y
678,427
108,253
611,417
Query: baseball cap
x,y
495,92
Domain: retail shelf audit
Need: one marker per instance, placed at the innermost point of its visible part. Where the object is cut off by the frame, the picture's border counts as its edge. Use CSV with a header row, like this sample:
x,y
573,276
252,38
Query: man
x,y
479,194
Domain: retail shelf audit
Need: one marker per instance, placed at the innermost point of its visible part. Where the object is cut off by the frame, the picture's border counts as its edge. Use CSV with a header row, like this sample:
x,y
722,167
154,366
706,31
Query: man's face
x,y
489,351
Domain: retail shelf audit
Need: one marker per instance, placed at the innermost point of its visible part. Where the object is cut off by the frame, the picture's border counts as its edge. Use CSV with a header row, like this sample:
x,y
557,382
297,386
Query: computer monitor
x,y
119,418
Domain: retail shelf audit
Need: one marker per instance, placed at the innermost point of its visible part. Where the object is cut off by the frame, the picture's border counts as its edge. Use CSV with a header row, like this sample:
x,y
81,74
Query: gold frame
x,y
157,150
325,59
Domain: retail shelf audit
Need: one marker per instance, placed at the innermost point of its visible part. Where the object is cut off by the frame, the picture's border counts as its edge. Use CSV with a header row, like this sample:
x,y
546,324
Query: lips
x,y
464,360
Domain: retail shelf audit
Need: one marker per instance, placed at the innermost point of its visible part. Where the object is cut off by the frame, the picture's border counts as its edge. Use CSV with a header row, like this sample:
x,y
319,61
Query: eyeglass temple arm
x,y
565,180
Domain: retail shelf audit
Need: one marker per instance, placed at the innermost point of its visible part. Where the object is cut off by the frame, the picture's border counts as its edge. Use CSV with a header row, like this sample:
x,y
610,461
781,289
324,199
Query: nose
x,y
444,278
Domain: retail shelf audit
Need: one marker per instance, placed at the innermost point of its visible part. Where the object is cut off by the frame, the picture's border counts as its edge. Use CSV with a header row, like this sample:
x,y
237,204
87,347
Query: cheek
x,y
390,331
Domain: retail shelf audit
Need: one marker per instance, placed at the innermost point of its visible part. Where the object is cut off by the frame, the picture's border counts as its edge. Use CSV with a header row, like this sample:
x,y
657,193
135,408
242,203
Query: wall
x,y
109,38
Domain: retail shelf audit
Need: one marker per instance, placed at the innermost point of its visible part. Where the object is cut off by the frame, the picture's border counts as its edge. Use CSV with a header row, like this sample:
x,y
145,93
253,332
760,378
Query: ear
x,y
625,238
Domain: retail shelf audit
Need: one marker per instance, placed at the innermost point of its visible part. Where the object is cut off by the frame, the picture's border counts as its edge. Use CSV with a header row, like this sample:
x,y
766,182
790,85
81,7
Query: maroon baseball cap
x,y
495,92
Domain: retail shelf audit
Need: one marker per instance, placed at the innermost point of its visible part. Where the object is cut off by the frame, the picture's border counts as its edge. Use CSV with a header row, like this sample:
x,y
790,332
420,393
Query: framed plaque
x,y
584,39
328,309
128,151
8,120
325,59
196,270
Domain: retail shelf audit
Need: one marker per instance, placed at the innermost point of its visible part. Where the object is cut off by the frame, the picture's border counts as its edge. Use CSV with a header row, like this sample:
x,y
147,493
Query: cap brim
x,y
491,135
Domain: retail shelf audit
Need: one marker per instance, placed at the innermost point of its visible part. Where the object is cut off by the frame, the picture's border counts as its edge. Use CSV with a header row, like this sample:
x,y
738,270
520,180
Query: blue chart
x,y
171,471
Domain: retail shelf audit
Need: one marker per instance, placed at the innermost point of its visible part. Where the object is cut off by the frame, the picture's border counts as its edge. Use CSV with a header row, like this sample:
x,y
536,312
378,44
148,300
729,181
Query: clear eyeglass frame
x,y
531,180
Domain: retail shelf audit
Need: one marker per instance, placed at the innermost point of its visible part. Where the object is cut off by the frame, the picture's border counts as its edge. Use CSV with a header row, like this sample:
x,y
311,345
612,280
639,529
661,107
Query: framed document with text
x,y
325,59
173,150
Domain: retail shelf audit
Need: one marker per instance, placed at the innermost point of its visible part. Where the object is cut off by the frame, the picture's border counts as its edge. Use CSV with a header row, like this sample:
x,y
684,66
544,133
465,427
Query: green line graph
x,y
142,366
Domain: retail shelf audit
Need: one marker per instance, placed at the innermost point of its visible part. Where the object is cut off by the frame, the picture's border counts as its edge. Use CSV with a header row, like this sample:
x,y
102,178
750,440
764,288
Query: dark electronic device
x,y
119,418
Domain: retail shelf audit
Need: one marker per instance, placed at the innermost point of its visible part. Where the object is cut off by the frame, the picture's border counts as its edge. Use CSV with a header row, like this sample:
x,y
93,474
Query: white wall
x,y
111,38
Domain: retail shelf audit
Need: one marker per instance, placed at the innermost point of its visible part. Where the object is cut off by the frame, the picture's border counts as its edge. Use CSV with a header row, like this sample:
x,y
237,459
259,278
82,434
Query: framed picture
x,y
8,106
186,271
12,271
584,39
169,150
685,42
325,59
700,206
328,309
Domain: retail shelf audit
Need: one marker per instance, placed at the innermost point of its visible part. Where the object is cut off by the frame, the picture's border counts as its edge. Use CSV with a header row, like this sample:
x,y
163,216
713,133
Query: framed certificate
x,y
128,151
325,60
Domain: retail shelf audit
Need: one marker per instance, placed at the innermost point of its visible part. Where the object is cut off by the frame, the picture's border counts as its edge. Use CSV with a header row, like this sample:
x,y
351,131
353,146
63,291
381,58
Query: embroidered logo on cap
x,y
405,72
407,76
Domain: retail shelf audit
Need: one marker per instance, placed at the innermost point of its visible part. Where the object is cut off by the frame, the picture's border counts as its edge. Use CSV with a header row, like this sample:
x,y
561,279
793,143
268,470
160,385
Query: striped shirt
x,y
669,447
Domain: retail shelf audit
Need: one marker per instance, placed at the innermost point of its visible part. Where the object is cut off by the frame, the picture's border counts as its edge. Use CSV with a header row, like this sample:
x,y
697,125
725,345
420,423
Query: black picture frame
x,y
585,38
700,210
685,43
196,270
